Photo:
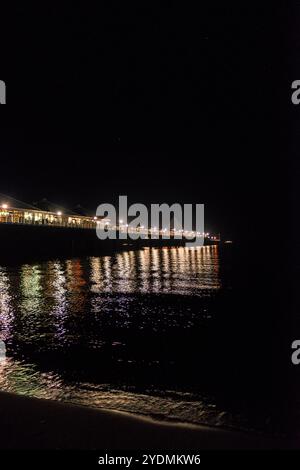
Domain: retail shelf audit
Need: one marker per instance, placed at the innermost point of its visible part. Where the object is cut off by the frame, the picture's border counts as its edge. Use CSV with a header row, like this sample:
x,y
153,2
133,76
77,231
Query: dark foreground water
x,y
140,331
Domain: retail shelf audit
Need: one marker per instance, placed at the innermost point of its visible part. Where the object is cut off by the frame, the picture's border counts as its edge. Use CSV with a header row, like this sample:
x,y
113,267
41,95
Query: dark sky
x,y
164,104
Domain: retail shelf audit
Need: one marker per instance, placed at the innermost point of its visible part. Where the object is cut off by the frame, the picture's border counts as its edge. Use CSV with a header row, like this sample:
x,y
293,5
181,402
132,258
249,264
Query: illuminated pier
x,y
43,218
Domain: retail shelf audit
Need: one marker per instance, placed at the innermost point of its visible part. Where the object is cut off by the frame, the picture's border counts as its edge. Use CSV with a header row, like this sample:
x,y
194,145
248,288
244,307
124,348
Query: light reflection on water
x,y
93,331
26,379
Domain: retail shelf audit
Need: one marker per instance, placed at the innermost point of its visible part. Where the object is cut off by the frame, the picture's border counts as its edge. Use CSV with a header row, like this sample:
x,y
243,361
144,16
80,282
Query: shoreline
x,y
34,423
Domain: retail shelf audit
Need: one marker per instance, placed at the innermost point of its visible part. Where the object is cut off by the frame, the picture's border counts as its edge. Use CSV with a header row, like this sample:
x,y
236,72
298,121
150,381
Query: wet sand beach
x,y
30,423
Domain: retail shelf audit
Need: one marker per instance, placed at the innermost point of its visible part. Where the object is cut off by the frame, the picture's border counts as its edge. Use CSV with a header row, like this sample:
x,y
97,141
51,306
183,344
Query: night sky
x,y
163,104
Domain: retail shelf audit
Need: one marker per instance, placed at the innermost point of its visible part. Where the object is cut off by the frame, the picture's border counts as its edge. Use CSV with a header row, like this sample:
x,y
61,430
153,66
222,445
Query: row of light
x,y
199,234
5,206
165,230
59,213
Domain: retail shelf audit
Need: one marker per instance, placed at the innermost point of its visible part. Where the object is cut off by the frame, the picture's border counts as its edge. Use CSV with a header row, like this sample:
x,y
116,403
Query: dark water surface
x,y
140,331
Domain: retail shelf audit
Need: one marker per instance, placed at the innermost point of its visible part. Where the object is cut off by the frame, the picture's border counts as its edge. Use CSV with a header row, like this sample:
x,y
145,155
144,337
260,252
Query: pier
x,y
37,217
35,232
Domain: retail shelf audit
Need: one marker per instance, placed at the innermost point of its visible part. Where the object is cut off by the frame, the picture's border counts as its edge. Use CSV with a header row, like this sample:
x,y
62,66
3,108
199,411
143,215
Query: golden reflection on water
x,y
43,303
57,287
175,271
31,289
6,306
48,308
38,300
